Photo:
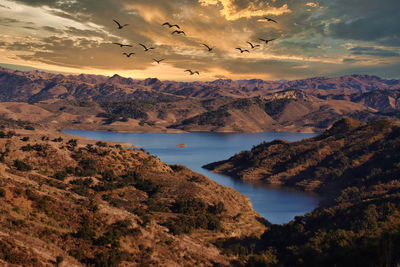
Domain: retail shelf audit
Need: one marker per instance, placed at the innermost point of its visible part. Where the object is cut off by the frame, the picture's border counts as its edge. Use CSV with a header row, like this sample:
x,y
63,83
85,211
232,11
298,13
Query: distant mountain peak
x,y
119,79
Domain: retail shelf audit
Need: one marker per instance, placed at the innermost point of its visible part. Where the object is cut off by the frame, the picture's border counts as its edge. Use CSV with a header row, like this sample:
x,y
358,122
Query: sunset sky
x,y
314,38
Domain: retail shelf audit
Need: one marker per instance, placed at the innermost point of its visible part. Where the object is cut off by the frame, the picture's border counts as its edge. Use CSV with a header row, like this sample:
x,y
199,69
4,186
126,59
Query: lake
x,y
277,205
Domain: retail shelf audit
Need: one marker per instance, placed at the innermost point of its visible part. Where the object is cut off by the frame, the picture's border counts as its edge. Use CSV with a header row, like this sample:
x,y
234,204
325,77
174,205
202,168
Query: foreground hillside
x,y
122,104
70,202
356,167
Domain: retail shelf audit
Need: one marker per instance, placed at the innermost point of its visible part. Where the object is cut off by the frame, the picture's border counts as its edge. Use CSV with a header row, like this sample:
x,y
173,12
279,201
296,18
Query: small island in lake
x,y
181,145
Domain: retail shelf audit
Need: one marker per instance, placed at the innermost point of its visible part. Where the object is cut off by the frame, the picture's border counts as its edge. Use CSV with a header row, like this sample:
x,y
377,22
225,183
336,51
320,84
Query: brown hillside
x,y
331,159
94,203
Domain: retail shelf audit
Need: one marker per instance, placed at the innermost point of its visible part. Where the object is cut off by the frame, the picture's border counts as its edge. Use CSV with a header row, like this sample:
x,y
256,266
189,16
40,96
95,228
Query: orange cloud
x,y
312,4
230,12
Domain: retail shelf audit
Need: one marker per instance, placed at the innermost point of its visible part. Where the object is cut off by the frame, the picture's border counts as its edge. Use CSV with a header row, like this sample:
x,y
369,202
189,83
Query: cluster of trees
x,y
214,118
121,111
8,122
275,107
8,134
194,214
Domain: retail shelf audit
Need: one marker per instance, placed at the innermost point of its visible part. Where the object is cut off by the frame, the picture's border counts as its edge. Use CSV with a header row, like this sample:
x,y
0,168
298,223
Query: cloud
x,y
372,51
311,40
312,4
365,20
349,60
232,10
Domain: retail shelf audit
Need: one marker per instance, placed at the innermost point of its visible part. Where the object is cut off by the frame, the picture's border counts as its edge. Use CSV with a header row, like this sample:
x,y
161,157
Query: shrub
x,y
71,144
2,192
216,209
59,260
85,232
22,166
147,186
60,175
177,168
29,128
189,205
101,144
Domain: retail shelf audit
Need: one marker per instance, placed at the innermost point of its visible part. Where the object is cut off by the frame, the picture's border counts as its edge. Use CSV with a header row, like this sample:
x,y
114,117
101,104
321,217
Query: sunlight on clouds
x,y
311,4
43,17
76,36
230,12
148,12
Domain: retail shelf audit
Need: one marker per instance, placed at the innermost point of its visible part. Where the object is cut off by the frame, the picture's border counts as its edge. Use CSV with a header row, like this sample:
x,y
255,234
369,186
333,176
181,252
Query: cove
x,y
278,205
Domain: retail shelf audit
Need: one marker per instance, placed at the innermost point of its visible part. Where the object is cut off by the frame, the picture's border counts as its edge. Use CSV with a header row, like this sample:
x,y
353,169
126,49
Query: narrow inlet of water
x,y
277,205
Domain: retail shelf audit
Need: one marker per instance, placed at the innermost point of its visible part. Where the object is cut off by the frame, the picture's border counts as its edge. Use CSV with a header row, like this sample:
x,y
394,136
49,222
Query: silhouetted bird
x,y
242,50
122,45
145,48
128,55
170,25
119,25
271,20
266,40
178,32
209,48
158,61
253,46
193,72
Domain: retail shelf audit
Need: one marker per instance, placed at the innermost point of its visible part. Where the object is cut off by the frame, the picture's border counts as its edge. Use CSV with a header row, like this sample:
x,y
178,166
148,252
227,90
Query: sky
x,y
313,38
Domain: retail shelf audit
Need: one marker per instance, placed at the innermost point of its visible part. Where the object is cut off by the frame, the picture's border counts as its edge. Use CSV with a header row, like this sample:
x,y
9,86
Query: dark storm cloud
x,y
371,51
366,20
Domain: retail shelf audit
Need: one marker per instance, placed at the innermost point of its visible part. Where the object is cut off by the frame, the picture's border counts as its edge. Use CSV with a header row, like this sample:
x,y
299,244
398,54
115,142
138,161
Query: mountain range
x,y
125,104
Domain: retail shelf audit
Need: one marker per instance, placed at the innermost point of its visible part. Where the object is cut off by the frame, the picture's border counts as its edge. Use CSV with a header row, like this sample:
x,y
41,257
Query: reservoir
x,y
195,149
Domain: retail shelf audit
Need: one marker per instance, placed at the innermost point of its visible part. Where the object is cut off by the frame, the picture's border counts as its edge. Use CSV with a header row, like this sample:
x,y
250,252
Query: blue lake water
x,y
277,205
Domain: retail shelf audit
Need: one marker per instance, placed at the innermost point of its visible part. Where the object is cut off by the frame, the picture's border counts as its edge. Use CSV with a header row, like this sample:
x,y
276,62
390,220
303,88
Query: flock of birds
x,y
178,31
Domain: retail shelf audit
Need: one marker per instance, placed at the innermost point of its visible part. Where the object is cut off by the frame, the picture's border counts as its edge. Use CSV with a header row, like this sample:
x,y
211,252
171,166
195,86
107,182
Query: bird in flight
x,y
266,40
209,48
242,50
170,25
122,45
270,20
158,61
178,32
146,48
253,46
128,54
119,25
193,72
